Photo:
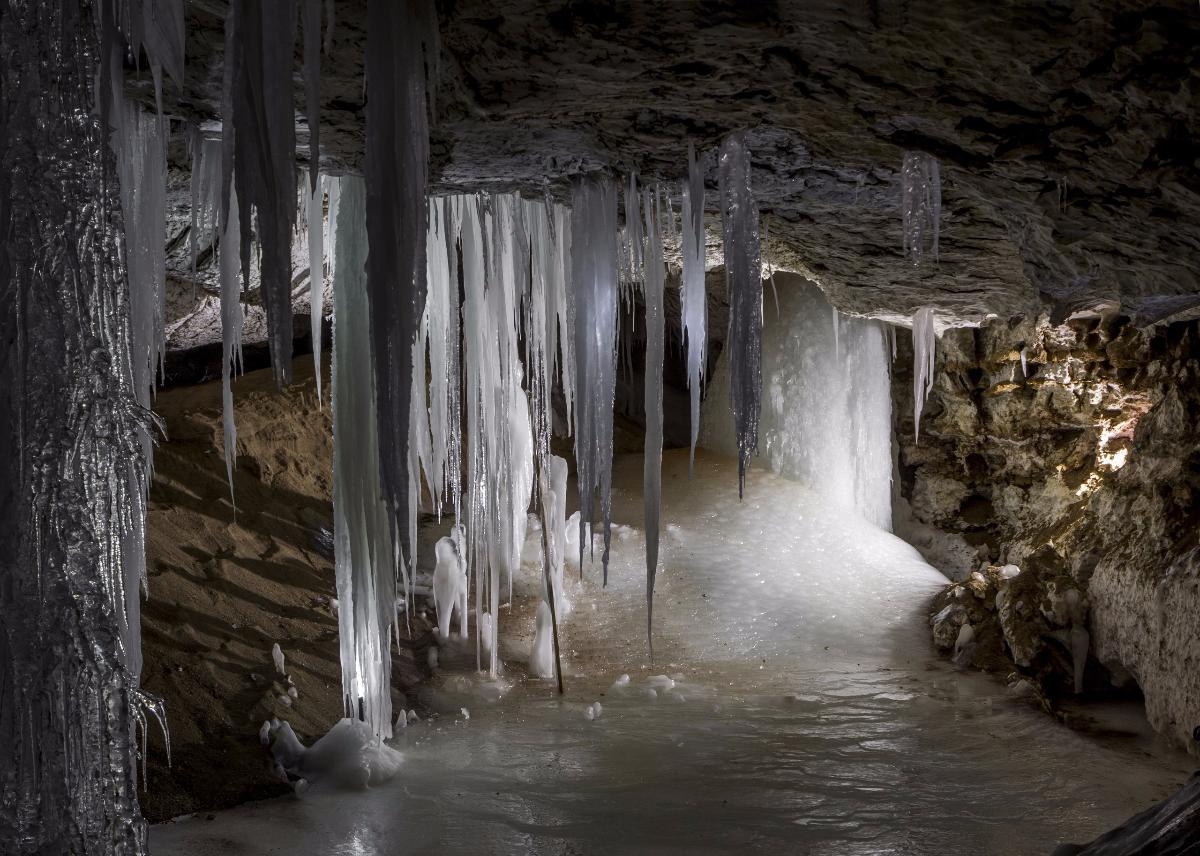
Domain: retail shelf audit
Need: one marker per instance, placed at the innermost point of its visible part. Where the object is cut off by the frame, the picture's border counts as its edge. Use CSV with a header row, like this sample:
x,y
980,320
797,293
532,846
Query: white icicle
x,y
655,274
364,553
924,348
743,274
695,302
594,281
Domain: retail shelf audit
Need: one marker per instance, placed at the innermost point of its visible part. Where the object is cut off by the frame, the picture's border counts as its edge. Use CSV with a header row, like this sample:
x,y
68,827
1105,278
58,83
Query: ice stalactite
x,y
231,335
743,274
924,351
364,553
310,19
920,204
655,276
73,432
315,220
594,282
399,36
695,302
262,39
158,27
205,196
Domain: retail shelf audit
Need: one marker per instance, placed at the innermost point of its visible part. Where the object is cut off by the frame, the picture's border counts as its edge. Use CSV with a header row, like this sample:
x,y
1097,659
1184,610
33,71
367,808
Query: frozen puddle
x,y
795,706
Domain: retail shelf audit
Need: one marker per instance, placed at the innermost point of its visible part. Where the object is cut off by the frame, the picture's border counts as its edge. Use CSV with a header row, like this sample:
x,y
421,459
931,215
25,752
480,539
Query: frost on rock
x,y
924,352
920,204
743,273
695,302
655,276
364,553
594,283
74,433
262,41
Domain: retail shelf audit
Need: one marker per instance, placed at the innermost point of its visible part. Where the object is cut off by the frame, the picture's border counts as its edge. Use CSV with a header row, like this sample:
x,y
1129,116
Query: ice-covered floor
x,y
808,715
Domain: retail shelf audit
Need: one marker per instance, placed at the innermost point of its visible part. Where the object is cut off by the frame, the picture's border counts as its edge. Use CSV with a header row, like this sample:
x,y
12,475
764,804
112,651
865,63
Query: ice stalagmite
x,y
231,335
695,302
743,274
363,548
924,348
594,282
655,275
920,204
264,154
399,33
72,432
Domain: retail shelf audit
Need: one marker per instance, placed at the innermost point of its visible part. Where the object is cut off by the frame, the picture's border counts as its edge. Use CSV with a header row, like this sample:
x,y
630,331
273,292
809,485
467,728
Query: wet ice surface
x,y
807,715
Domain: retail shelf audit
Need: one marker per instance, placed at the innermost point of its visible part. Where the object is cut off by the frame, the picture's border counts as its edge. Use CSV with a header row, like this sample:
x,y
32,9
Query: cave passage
x,y
794,704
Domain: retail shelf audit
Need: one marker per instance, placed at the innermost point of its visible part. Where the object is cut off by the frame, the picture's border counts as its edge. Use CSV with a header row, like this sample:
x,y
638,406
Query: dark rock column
x,y
68,435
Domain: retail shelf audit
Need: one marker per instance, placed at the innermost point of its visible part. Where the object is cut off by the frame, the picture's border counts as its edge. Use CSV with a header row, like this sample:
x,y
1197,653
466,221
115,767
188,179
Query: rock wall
x,y
1061,497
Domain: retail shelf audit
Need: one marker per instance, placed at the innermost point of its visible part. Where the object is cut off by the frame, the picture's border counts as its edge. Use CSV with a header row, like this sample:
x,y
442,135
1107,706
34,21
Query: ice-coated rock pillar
x,y
69,435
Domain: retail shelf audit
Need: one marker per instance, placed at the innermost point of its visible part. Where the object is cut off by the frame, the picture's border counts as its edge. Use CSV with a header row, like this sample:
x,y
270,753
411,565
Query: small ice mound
x,y
466,714
449,585
349,755
660,682
413,717
401,720
541,655
277,658
1009,571
650,693
432,657
592,711
621,683
485,633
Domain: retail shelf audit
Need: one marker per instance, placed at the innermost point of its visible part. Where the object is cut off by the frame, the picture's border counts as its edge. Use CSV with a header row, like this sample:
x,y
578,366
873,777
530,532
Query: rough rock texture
x,y
1067,132
1086,476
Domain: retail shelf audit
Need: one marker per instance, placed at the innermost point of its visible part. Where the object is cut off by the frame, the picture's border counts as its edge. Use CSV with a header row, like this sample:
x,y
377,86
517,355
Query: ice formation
x,y
315,220
920,204
261,40
924,351
541,655
694,300
594,282
310,19
73,383
364,551
350,755
826,419
655,276
397,164
231,335
277,659
449,587
743,274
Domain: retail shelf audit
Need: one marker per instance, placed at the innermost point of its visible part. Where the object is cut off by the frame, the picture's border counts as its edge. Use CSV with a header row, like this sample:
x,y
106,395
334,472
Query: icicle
x,y
316,274
743,274
837,350
924,347
655,355
231,336
264,154
363,546
920,204
397,165
594,280
311,19
695,302
1024,365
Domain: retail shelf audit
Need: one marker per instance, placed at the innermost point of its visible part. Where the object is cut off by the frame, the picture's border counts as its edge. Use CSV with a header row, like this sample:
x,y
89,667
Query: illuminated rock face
x,y
1081,472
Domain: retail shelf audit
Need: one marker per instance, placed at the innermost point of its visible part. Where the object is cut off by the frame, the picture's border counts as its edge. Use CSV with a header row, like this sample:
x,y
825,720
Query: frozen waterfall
x,y
826,411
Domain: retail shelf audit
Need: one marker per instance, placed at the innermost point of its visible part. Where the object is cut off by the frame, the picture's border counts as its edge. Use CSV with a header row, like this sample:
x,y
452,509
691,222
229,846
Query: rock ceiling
x,y
1066,131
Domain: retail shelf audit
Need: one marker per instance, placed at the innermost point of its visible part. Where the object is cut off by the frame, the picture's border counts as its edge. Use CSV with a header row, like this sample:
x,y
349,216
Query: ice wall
x,y
826,403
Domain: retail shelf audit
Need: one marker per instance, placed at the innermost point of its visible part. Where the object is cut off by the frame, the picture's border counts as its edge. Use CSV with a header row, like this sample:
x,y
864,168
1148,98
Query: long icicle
x,y
743,274
655,275
594,281
695,302
231,336
924,349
